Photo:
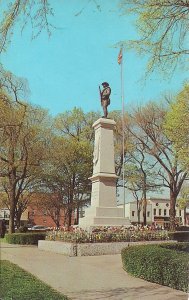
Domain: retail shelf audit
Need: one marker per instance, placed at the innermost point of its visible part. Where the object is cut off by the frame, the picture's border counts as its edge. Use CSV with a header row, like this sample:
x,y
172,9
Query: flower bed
x,y
106,235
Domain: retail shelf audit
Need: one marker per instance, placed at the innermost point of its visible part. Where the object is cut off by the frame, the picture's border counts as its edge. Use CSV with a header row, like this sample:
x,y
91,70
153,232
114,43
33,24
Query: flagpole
x,y
123,133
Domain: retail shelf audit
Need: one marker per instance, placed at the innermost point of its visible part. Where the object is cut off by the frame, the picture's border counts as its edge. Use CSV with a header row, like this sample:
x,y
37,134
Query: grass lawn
x,y
17,284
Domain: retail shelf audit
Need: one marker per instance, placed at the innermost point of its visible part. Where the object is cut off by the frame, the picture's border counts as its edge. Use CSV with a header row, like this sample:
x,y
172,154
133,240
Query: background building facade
x,y
157,212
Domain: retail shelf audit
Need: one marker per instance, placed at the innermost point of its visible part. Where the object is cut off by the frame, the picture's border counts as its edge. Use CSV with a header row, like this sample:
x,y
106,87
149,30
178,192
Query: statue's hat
x,y
105,83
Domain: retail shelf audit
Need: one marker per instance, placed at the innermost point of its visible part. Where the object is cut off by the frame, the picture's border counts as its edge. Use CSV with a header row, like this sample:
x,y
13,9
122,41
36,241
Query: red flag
x,y
120,55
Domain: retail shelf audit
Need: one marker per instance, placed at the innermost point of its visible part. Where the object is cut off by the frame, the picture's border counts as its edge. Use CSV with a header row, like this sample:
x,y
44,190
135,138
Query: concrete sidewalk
x,y
86,278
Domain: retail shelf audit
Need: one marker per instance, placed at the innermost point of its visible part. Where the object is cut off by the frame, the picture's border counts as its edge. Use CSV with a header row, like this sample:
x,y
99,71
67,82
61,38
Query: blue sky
x,y
65,70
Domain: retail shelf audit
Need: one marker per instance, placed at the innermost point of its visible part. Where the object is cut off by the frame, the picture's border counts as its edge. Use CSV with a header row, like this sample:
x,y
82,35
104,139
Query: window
x,y
180,213
133,213
148,214
159,212
154,211
165,212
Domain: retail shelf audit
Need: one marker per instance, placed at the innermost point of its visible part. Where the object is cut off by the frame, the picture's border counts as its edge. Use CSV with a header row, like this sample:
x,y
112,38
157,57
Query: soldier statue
x,y
105,97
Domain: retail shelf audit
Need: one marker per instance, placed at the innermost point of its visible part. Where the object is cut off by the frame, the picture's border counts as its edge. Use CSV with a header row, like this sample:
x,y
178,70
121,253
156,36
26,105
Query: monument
x,y
103,210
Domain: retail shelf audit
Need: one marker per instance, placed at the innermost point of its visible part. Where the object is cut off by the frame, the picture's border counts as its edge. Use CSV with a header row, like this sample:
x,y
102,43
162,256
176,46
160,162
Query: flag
x,y
119,59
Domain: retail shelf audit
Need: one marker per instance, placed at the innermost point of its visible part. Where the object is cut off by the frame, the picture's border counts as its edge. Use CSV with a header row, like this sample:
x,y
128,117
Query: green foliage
x,y
180,236
162,28
177,125
157,264
70,163
37,13
19,284
22,229
25,238
177,246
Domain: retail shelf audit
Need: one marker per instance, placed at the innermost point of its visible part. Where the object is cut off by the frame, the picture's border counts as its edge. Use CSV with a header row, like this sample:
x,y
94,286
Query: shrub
x,y
180,236
25,238
183,228
176,246
22,229
157,264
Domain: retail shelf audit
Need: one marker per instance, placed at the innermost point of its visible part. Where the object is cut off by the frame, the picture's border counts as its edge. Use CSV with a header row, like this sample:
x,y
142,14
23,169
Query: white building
x,y
4,213
157,212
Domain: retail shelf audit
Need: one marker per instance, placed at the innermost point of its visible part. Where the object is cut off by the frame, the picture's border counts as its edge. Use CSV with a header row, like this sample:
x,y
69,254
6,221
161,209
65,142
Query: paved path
x,y
86,278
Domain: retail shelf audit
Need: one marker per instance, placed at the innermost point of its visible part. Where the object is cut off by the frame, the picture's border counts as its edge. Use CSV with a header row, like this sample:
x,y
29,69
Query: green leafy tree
x,y
23,140
70,163
177,125
183,200
148,129
66,177
163,30
35,13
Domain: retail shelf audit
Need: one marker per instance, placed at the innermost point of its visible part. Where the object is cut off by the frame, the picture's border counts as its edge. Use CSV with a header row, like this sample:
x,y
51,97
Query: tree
x,y
183,200
23,137
70,163
177,125
48,202
37,13
163,31
141,177
149,131
21,205
122,150
66,177
76,124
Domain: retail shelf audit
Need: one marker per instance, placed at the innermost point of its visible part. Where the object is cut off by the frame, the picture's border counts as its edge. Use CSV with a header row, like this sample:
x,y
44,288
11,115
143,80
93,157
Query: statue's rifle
x,y
100,94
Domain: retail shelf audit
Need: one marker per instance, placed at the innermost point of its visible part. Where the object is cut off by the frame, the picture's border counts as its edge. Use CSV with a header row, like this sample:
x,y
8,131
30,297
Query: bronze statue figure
x,y
105,97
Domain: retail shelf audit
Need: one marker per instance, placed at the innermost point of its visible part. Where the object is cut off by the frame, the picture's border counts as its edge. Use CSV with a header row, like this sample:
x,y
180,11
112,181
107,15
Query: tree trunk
x,y
18,214
172,211
77,216
57,217
138,211
11,218
12,206
144,206
70,217
18,222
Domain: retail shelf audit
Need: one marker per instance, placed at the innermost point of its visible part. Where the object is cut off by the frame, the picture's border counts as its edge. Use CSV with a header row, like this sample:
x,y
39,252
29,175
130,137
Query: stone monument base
x,y
103,216
103,210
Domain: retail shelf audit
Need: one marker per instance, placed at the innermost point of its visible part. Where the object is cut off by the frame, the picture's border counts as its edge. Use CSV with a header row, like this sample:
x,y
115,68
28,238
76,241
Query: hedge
x,y
180,236
183,228
158,264
25,238
176,246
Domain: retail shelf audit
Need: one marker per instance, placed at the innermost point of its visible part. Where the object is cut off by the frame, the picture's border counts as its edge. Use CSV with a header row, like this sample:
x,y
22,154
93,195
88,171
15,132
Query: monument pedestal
x,y
103,210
